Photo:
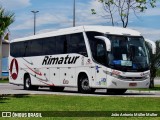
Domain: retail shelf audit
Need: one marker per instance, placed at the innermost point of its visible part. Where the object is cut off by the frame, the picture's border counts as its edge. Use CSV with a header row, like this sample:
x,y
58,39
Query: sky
x,y
56,14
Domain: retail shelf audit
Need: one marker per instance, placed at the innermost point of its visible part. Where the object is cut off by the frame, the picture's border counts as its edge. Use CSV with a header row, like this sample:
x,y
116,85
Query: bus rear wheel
x,y
116,91
83,85
28,85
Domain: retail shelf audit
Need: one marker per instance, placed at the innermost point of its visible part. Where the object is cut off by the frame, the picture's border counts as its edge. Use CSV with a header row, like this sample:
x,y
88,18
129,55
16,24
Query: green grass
x,y
157,87
79,103
4,81
158,73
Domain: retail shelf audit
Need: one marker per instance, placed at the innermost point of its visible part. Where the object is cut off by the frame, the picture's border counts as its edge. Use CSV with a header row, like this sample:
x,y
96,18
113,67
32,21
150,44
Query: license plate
x,y
132,84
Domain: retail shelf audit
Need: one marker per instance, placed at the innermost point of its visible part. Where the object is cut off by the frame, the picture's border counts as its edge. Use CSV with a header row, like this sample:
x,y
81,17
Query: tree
x,y
124,9
155,63
6,19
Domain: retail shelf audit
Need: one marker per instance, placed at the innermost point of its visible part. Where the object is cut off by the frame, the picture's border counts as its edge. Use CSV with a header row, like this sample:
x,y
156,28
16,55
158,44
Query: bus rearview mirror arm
x,y
107,42
153,45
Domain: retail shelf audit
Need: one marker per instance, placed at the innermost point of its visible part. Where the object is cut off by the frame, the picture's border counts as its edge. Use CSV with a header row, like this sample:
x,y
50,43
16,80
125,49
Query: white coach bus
x,y
87,57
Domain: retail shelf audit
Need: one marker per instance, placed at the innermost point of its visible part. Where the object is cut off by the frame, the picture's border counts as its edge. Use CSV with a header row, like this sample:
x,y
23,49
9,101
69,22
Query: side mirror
x,y
152,45
107,42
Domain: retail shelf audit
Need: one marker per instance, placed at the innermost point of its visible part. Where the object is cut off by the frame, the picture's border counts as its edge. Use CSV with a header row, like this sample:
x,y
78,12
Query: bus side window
x,y
98,47
17,49
76,44
13,49
25,47
60,44
36,47
101,52
49,46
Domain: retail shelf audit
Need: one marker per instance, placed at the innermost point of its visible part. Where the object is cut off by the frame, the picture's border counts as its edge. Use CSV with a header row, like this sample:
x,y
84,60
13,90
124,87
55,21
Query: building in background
x,y
5,53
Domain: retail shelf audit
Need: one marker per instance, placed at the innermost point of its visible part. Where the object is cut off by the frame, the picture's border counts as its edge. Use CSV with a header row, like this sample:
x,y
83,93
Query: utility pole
x,y
34,12
74,13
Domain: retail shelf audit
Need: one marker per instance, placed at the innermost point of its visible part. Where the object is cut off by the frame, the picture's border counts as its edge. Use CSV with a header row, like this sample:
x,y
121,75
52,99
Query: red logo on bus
x,y
14,73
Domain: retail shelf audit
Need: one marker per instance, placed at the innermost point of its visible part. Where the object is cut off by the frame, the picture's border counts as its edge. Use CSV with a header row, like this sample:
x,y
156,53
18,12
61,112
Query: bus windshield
x,y
128,53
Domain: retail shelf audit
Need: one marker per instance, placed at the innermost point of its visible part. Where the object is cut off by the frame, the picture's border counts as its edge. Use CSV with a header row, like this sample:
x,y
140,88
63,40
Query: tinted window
x,y
64,44
100,55
61,44
76,44
27,48
49,46
13,49
17,49
98,47
35,47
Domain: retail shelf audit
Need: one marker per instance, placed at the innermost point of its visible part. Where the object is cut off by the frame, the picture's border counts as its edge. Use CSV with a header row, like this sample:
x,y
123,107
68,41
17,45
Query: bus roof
x,y
102,29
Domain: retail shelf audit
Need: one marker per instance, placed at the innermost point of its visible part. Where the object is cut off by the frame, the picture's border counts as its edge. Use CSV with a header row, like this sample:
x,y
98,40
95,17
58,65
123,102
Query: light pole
x,y
74,13
34,12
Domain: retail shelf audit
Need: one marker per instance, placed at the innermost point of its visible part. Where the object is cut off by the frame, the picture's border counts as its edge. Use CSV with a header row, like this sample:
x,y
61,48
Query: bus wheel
x,y
83,85
57,89
28,85
116,91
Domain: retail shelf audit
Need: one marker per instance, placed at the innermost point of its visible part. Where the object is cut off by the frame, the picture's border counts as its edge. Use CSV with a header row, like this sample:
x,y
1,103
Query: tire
x,y
116,91
83,85
28,85
57,89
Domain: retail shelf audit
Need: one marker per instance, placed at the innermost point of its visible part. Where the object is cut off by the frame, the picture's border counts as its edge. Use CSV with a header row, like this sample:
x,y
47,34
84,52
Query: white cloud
x,y
84,15
61,18
45,31
28,24
42,19
49,18
14,4
150,33
153,11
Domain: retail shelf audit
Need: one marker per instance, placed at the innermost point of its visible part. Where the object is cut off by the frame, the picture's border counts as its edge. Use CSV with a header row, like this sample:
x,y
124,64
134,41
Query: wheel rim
x,y
85,84
28,82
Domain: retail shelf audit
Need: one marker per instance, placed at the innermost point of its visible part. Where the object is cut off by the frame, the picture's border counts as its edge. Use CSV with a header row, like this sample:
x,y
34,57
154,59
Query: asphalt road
x,y
6,88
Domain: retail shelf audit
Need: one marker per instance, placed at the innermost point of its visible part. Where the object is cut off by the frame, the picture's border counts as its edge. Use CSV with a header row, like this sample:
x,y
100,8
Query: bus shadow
x,y
5,97
98,93
20,95
125,94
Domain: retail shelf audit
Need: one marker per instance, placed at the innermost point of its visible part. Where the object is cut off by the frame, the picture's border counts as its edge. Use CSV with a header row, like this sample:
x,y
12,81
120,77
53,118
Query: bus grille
x,y
132,78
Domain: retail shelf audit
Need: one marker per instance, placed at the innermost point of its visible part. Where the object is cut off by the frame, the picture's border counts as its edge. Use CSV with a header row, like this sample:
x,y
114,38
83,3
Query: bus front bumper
x,y
113,82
